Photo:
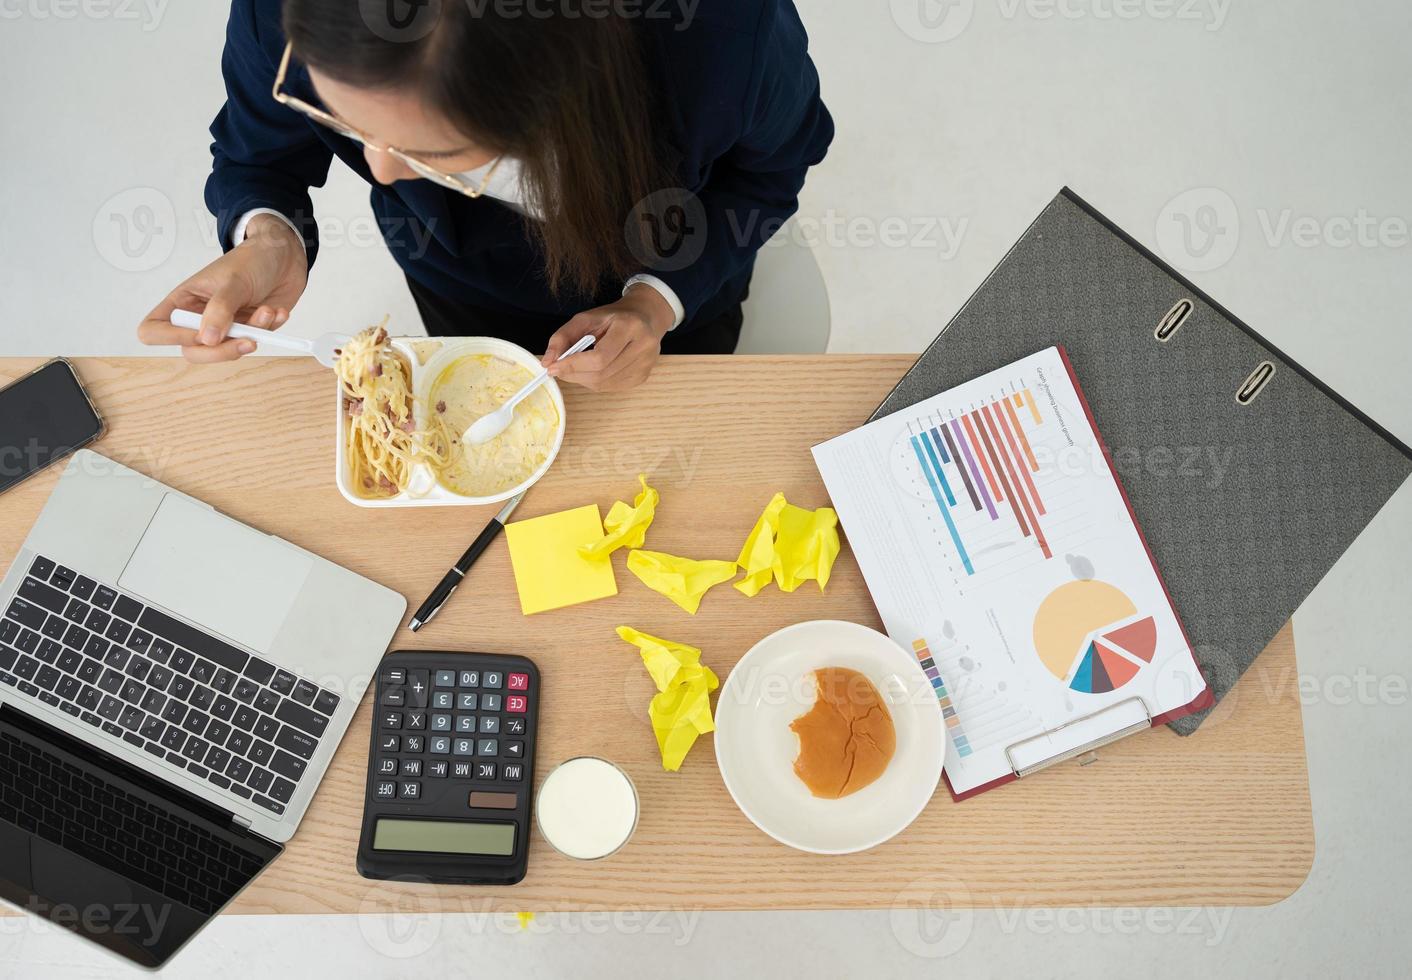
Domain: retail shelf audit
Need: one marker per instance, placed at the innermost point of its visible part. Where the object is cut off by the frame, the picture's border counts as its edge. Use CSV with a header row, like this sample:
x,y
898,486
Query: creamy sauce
x,y
474,386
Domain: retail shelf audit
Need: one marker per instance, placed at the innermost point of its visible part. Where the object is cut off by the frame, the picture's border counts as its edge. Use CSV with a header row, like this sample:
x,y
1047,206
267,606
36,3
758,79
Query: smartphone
x,y
44,416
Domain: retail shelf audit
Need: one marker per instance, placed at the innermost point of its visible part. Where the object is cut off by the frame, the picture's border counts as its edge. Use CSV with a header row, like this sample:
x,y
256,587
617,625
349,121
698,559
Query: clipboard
x,y
1247,475
1203,702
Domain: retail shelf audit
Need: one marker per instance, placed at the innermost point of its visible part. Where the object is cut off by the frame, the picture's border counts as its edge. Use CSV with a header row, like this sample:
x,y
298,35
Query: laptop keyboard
x,y
79,810
162,685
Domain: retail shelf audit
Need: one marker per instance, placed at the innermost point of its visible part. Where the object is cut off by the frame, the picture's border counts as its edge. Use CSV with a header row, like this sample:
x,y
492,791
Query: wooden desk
x,y
1220,818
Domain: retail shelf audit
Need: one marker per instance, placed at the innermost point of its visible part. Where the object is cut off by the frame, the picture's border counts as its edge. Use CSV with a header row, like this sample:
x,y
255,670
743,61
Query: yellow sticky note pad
x,y
683,580
549,571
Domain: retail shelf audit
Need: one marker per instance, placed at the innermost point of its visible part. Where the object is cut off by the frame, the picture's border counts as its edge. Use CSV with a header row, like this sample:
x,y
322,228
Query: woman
x,y
540,171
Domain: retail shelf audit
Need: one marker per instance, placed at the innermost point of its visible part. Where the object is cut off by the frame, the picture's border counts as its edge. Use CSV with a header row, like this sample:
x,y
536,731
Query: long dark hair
x,y
570,98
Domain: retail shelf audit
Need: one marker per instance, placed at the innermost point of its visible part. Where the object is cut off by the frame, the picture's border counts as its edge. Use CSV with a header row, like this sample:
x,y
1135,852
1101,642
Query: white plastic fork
x,y
488,426
322,348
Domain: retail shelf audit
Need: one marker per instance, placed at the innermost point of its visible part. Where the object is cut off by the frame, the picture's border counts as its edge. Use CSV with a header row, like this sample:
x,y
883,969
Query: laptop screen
x,y
111,853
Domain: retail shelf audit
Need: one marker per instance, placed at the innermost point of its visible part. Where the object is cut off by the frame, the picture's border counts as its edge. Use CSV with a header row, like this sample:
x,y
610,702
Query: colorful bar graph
x,y
948,710
936,467
975,472
940,447
965,477
985,463
1011,469
941,504
1004,425
994,459
1020,434
1015,506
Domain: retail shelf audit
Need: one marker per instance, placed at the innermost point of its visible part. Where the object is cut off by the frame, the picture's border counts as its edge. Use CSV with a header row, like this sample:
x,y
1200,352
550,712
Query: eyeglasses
x,y
453,181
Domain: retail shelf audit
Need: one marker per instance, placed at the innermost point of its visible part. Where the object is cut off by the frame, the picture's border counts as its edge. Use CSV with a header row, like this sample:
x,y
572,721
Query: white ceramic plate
x,y
772,685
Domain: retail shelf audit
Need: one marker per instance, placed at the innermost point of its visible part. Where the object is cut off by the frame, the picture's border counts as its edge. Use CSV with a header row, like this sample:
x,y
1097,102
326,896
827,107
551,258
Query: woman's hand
x,y
629,334
258,281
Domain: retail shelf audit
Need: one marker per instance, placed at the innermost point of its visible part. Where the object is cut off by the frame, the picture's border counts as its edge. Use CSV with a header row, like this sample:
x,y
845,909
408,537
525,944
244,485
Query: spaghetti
x,y
382,441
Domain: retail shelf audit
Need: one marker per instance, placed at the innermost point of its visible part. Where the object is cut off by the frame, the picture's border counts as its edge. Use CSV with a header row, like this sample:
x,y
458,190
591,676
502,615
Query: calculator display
x,y
444,837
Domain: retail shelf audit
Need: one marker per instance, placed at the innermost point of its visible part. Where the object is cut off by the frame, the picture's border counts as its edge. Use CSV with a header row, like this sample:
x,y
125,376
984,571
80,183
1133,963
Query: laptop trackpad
x,y
216,572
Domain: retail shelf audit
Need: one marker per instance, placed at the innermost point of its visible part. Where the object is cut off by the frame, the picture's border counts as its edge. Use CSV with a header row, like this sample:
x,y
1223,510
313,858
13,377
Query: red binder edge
x,y
1203,700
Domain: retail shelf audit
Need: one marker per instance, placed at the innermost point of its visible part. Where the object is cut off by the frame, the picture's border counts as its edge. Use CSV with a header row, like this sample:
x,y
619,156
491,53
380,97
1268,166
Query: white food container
x,y
425,491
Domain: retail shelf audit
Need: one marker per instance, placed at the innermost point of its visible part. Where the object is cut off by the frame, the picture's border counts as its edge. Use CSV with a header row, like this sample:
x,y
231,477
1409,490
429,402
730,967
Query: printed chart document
x,y
998,547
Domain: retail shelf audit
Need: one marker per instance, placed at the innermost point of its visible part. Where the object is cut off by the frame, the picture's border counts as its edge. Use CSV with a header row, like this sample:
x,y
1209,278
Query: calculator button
x,y
440,745
464,746
411,767
411,791
445,678
490,702
488,746
436,769
513,771
386,791
394,675
461,770
413,743
387,767
441,723
390,743
514,726
442,700
490,724
517,682
485,770
466,723
394,697
516,704
417,687
492,679
392,719
467,701
416,721
515,750
493,801
468,678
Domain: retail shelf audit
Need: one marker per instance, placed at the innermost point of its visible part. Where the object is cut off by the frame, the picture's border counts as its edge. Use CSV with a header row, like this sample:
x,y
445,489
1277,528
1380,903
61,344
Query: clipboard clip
x,y
1078,750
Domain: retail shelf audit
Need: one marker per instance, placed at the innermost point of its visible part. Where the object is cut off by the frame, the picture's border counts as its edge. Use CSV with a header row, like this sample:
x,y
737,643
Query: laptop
x,y
173,685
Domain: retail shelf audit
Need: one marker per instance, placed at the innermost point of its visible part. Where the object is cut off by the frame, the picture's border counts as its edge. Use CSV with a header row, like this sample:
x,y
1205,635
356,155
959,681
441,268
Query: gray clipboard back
x,y
1245,506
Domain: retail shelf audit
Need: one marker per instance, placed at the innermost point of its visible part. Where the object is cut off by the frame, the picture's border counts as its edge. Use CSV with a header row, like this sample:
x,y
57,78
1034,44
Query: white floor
x,y
1261,143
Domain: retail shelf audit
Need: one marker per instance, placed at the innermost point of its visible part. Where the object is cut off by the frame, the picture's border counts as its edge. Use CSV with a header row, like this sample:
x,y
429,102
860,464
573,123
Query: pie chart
x,y
1092,637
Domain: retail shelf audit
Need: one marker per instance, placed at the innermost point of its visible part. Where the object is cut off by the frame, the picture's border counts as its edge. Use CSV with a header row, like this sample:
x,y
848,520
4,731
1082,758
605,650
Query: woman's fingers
x,y
614,368
591,363
219,315
226,350
569,334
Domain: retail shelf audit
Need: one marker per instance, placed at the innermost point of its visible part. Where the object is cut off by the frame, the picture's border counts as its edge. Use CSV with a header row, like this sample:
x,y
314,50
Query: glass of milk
x,y
587,808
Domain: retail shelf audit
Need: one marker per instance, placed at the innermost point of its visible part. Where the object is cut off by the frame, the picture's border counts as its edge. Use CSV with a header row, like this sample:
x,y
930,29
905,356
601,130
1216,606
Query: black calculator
x,y
450,768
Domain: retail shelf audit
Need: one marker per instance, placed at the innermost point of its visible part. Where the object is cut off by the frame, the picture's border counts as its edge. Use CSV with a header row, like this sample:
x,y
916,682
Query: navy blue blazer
x,y
739,102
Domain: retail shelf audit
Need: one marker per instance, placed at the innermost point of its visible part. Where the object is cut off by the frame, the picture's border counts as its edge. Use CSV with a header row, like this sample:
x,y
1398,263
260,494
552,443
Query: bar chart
x,y
981,462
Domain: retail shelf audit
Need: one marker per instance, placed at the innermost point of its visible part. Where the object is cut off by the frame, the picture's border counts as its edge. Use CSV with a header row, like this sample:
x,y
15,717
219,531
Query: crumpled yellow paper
x,y
681,711
683,580
625,526
791,545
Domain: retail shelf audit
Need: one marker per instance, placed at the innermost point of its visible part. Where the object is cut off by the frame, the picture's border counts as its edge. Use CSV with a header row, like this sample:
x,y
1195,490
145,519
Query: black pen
x,y
452,579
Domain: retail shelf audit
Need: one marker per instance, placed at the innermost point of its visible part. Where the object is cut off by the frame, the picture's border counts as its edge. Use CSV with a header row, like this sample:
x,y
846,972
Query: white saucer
x,y
772,685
